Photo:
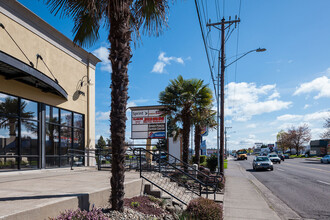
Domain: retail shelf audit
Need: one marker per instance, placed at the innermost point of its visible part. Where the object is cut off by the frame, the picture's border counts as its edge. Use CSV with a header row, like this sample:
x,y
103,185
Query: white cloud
x,y
103,54
251,126
274,95
306,106
289,117
321,85
160,65
316,116
102,115
245,100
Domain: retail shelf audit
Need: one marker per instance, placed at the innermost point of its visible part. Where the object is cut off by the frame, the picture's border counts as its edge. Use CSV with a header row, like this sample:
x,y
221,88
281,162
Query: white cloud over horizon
x,y
316,116
160,65
245,100
320,85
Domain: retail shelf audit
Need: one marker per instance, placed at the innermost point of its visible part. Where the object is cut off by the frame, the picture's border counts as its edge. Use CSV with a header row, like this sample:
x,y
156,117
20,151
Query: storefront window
x,y
20,149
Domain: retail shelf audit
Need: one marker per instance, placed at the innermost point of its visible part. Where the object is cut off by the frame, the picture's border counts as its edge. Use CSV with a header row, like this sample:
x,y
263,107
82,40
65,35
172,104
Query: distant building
x,y
320,147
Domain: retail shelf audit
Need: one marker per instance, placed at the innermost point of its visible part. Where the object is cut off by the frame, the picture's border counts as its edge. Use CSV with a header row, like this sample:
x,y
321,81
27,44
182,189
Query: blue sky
x,y
287,85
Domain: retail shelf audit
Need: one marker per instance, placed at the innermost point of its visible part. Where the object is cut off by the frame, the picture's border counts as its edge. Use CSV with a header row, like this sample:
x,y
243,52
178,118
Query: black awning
x,y
14,69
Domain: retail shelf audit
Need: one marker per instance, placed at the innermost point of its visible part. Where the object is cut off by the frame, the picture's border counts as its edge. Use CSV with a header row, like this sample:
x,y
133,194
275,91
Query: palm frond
x,y
151,15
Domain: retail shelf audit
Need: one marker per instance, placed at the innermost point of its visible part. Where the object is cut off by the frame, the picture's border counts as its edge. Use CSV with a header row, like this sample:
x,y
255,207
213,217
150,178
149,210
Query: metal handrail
x,y
184,164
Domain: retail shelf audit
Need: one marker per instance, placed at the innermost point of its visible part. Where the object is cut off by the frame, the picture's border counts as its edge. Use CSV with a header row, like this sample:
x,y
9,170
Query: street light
x,y
222,98
255,50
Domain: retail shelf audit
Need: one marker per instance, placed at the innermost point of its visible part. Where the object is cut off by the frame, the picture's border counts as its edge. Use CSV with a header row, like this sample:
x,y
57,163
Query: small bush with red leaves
x,y
204,209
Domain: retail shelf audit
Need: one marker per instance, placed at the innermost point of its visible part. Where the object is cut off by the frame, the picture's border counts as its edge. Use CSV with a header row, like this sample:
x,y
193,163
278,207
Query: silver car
x,y
325,159
262,163
274,158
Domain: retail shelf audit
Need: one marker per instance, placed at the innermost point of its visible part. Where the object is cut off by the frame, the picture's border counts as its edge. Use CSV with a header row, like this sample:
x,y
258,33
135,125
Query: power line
x,y
205,45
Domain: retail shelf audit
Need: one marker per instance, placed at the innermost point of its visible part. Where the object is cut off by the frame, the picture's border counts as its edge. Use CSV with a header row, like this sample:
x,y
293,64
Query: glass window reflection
x,y
66,140
66,118
29,138
8,136
29,109
78,120
8,105
52,141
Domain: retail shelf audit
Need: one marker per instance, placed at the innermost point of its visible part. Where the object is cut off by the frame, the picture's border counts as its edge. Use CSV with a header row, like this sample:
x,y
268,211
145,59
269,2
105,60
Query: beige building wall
x,y
68,63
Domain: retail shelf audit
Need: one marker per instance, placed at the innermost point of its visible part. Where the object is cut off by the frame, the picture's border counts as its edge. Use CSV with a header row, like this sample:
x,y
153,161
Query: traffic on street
x,y
303,184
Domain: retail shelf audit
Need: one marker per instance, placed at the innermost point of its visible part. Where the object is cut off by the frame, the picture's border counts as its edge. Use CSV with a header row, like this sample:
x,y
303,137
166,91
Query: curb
x,y
280,208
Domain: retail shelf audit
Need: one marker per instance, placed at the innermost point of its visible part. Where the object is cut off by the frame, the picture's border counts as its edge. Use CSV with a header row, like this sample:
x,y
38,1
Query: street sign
x,y
148,122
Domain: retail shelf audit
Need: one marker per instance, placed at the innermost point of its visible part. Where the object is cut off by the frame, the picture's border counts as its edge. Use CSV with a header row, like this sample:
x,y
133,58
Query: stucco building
x,y
47,93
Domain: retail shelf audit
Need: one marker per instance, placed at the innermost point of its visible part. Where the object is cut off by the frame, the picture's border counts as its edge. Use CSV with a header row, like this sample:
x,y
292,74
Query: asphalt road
x,y
303,185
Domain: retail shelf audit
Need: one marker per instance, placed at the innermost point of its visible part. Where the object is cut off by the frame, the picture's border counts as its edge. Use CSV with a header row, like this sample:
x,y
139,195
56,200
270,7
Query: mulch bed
x,y
146,206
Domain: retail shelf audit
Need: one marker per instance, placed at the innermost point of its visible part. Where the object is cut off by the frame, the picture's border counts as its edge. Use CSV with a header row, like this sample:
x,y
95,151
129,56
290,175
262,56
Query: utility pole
x,y
223,26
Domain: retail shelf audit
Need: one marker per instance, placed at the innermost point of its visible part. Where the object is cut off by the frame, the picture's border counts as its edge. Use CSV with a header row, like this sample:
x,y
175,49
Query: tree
x,y
202,117
298,136
326,134
101,142
180,96
121,18
283,141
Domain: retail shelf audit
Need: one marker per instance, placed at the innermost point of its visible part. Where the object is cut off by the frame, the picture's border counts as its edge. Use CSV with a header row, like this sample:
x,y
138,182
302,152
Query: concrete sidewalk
x,y
243,199
40,194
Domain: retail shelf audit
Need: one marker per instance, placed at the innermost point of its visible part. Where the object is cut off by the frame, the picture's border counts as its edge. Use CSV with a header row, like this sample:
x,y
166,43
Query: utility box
x,y
175,147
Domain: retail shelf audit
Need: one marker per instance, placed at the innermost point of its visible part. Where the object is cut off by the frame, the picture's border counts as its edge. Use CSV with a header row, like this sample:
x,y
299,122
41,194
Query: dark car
x,y
286,156
262,163
281,156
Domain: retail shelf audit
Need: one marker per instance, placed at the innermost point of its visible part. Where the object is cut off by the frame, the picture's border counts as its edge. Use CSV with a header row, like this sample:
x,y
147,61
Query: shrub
x,y
202,159
204,209
94,214
212,163
135,204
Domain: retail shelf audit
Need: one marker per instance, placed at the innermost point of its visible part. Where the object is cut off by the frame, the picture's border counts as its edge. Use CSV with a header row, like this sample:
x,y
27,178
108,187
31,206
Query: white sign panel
x,y
148,123
142,113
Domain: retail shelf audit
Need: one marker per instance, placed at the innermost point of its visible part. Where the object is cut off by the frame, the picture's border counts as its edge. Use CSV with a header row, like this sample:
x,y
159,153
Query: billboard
x,y
148,122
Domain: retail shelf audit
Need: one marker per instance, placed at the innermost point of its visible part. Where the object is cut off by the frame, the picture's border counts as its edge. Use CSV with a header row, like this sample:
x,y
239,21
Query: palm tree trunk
x,y
185,138
120,55
197,144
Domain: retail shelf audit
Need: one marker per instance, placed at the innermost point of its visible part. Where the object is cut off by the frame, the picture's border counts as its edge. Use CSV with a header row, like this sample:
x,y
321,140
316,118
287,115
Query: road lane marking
x,y
323,182
280,169
308,168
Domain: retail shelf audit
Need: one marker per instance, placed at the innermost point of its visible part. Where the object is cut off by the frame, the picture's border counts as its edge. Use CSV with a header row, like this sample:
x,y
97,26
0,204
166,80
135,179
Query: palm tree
x,y
180,97
121,18
203,117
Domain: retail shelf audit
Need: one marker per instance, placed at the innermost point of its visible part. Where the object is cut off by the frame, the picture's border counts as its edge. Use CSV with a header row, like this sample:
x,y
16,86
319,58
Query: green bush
x,y
204,209
212,163
135,204
202,159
